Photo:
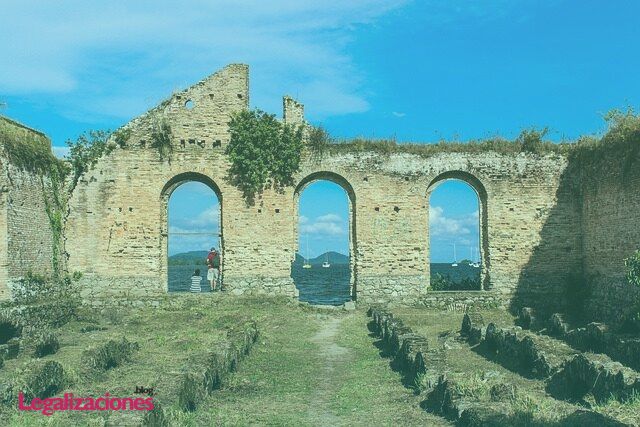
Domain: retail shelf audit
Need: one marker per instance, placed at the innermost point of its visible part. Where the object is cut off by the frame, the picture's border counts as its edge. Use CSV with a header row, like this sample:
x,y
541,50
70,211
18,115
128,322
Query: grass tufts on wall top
x,y
28,149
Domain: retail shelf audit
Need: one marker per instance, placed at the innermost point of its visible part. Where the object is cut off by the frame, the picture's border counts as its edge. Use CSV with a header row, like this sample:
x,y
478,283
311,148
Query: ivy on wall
x,y
263,152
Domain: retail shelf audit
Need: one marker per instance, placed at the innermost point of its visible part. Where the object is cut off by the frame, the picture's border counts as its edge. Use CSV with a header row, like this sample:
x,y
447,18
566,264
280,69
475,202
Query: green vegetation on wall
x,y
85,151
528,141
27,149
161,138
633,268
621,143
263,152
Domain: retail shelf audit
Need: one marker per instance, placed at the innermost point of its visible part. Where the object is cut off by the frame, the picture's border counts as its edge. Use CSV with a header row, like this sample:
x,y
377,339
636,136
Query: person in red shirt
x,y
213,265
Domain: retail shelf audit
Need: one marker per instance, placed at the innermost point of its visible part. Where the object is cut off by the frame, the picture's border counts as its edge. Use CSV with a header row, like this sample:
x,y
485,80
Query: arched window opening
x,y
454,236
322,269
193,229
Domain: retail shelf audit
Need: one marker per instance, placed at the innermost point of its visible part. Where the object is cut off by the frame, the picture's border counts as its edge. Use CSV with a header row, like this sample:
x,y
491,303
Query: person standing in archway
x,y
213,264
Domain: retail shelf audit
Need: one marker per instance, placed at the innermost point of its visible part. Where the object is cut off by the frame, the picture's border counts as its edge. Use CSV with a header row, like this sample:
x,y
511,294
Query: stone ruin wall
x,y
531,214
26,240
116,233
611,233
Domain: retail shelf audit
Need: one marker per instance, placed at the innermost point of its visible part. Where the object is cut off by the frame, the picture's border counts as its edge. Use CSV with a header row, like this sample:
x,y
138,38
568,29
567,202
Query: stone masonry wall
x,y
116,232
25,231
611,230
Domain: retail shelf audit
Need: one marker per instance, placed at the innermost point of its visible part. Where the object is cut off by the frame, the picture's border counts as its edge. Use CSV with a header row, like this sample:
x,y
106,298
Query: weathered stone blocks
x,y
536,356
594,374
473,327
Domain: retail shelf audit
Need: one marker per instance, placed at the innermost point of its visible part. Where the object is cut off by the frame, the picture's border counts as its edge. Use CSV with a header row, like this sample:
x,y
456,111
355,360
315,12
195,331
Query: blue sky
x,y
416,70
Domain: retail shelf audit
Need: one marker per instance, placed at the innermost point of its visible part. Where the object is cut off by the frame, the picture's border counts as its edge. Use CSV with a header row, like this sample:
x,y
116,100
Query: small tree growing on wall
x,y
262,151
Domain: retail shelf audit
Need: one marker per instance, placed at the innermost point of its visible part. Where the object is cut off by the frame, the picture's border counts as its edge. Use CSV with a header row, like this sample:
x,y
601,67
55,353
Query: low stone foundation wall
x,y
410,351
148,292
202,379
595,337
463,300
260,286
537,357
390,289
595,374
128,288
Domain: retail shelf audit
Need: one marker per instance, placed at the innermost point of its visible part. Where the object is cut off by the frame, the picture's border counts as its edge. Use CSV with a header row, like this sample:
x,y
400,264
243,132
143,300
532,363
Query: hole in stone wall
x,y
365,179
277,210
210,96
240,96
454,235
189,104
130,209
321,270
377,209
193,228
396,209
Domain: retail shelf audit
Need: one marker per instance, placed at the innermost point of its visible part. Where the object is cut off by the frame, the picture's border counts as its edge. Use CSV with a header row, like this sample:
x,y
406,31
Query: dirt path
x,y
334,357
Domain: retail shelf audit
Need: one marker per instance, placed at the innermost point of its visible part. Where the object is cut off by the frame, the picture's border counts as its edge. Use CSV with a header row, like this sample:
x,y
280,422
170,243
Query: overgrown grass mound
x,y
110,355
46,343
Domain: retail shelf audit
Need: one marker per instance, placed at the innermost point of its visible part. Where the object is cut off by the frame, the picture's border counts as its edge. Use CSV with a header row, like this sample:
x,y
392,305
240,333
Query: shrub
x,y
262,151
531,140
85,151
9,327
46,343
633,268
318,141
440,282
161,138
110,355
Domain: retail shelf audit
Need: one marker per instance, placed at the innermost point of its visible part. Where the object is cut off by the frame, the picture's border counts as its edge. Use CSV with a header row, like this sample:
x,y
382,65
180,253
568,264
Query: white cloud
x,y
397,114
441,225
329,224
330,218
209,217
118,58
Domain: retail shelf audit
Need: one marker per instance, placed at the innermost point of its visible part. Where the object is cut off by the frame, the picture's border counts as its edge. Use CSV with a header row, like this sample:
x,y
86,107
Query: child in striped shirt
x,y
196,279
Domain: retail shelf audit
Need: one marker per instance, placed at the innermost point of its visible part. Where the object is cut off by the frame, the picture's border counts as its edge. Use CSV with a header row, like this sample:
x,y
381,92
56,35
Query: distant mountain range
x,y
189,258
199,257
334,258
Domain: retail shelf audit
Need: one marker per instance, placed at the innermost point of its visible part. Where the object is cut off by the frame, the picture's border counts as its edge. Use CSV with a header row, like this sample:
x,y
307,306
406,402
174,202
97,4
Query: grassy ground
x,y
307,367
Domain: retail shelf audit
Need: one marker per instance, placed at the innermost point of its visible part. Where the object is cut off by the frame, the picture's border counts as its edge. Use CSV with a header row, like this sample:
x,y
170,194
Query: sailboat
x,y
306,260
455,258
475,264
326,264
